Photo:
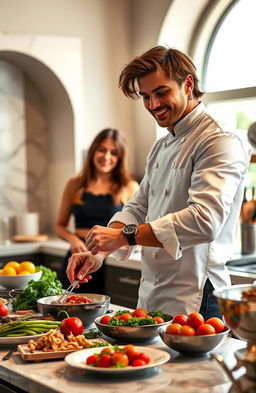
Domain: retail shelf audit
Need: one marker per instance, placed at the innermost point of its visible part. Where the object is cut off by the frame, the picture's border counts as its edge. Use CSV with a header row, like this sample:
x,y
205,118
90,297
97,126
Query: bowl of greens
x,y
136,325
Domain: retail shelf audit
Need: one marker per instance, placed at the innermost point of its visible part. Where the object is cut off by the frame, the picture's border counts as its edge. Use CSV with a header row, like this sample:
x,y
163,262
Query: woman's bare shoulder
x,y
71,184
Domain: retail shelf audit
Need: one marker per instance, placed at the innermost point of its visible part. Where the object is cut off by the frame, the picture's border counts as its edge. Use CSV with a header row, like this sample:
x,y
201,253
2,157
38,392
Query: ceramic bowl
x,y
19,282
193,345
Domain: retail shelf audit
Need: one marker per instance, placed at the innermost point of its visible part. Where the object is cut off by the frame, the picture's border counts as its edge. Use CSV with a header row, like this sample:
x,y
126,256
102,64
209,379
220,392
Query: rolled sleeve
x,y
164,231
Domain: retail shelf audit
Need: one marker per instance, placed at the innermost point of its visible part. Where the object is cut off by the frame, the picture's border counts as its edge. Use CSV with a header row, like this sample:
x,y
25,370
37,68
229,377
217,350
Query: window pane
x,y
232,56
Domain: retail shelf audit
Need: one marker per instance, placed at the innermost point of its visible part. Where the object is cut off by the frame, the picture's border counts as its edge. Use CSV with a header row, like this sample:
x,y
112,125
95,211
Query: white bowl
x,y
19,282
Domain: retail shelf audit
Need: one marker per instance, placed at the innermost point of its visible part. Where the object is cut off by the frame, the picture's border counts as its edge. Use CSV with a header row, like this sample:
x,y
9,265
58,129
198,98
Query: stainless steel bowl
x,y
192,345
86,312
138,333
239,314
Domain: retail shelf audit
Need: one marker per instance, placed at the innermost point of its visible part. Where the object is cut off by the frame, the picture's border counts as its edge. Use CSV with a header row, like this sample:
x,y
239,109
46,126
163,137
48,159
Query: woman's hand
x,y
77,245
104,239
81,265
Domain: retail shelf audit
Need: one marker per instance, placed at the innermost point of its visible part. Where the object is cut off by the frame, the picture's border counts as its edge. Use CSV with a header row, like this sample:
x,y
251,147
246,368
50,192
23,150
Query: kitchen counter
x,y
181,374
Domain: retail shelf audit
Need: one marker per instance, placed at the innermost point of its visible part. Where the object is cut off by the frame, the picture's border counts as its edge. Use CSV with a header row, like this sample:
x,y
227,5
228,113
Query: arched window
x,y
229,77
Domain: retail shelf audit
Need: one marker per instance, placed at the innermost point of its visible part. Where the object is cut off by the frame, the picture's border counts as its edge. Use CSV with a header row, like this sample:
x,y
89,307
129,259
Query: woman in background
x,y
100,190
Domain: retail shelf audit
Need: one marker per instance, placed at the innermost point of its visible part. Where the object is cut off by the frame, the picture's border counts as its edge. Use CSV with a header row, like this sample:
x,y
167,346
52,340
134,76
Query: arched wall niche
x,y
38,138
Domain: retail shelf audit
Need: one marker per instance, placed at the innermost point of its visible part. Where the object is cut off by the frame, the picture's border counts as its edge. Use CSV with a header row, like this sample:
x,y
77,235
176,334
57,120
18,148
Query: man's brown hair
x,y
176,65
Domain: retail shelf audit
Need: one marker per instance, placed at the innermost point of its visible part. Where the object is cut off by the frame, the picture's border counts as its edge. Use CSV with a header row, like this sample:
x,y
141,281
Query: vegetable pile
x,y
22,328
48,285
138,317
118,357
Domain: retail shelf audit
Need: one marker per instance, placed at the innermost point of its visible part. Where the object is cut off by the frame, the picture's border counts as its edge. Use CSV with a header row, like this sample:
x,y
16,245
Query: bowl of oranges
x,y
16,275
192,335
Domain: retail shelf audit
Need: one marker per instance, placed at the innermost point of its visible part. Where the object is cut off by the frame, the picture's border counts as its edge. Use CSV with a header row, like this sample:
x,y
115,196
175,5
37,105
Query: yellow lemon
x,y
1,272
9,271
27,266
23,273
13,264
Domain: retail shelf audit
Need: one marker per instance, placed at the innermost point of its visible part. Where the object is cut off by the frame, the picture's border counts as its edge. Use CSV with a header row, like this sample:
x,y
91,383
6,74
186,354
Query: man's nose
x,y
153,103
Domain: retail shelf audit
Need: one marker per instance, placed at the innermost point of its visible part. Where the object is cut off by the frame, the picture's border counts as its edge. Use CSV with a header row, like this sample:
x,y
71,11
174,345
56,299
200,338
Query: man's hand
x,y
82,265
77,245
104,239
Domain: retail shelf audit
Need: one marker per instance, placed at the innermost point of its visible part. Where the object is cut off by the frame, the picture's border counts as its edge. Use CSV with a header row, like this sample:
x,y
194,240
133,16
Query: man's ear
x,y
189,84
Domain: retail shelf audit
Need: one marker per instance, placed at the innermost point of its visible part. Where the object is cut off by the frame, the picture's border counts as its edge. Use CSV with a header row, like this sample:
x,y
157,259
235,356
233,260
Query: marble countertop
x,y
181,374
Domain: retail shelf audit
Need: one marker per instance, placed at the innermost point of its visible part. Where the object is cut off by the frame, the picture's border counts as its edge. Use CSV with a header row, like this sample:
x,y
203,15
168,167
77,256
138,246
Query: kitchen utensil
x,y
130,333
239,311
192,345
87,312
9,354
72,286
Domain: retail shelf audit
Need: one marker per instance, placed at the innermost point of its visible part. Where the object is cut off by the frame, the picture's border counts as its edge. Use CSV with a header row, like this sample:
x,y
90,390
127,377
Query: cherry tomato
x,y
131,351
105,319
186,330
217,323
139,312
195,319
108,351
92,360
174,328
138,363
125,317
3,310
144,357
181,319
71,325
120,357
205,329
158,319
104,361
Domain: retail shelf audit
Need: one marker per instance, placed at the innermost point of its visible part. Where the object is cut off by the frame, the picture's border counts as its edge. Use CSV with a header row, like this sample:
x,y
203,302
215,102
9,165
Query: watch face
x,y
130,229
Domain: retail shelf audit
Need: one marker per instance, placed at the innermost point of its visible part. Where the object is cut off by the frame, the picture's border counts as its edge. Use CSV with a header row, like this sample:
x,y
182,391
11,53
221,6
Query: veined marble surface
x,y
181,374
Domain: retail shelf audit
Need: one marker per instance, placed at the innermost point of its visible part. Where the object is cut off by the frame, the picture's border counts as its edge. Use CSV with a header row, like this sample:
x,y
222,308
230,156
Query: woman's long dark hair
x,y
120,174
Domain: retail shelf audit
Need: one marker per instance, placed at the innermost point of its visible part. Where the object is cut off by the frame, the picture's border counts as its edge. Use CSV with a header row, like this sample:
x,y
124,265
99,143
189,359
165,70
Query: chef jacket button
x,y
173,164
156,165
155,282
183,140
164,144
166,192
151,191
154,254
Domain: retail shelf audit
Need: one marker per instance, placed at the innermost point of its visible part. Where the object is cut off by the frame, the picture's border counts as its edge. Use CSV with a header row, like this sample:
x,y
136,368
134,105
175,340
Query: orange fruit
x,y
205,329
187,330
23,273
1,272
13,264
27,266
9,271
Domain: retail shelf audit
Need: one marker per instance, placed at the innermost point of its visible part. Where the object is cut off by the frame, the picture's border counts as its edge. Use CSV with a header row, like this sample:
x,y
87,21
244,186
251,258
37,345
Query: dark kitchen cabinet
x,y
122,285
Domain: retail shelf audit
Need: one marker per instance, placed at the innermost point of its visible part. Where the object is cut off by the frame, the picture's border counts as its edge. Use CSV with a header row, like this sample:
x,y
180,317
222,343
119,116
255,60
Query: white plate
x,y
78,360
18,340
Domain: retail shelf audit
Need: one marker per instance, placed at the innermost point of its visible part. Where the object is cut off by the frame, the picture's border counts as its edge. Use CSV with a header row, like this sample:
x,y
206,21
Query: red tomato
x,y
104,361
205,329
181,319
144,357
139,312
186,330
120,357
131,351
138,363
217,323
105,319
92,360
158,319
195,319
108,351
174,328
71,325
125,317
3,310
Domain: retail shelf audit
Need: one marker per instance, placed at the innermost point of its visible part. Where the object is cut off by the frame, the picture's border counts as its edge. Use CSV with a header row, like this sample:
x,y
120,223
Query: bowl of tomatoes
x,y
133,325
192,335
85,306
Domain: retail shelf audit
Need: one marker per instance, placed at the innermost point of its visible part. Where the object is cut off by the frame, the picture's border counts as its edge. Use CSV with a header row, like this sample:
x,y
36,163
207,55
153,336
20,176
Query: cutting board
x,y
41,355
30,238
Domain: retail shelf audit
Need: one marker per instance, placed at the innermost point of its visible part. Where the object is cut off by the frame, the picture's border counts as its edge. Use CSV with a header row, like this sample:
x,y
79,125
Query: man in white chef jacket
x,y
186,211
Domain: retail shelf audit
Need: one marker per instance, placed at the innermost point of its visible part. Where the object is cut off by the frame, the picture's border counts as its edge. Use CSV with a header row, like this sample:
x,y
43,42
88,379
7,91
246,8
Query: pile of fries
x,y
55,341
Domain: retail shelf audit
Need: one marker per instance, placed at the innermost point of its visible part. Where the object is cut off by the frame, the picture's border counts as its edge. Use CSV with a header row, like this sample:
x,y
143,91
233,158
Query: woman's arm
x,y
76,244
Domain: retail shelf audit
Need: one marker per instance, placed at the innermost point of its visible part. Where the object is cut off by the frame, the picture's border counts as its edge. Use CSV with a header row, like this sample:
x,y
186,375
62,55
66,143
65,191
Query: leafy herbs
x,y
92,333
48,285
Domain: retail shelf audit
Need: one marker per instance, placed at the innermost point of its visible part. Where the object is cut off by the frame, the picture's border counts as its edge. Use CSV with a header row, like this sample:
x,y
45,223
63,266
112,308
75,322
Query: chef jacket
x,y
191,196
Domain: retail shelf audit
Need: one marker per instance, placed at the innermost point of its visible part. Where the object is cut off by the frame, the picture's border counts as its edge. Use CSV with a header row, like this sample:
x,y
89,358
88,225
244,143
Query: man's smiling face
x,y
167,101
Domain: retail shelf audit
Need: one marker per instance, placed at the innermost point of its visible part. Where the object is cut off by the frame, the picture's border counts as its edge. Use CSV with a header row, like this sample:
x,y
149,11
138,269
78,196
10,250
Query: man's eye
x,y
162,93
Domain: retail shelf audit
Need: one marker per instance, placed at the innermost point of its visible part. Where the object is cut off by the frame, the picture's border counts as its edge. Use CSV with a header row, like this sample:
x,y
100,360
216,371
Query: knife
x,y
9,354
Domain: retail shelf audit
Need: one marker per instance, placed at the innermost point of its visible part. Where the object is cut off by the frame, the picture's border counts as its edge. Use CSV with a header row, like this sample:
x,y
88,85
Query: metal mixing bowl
x,y
192,345
87,312
130,333
239,314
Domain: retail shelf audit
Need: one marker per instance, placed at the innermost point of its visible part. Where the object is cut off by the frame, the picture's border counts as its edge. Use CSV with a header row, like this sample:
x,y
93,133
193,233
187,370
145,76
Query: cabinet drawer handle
x,y
128,280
